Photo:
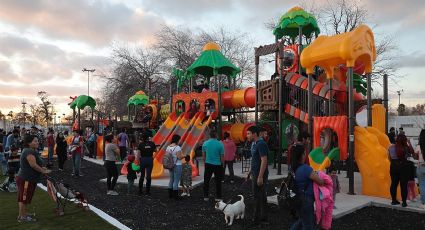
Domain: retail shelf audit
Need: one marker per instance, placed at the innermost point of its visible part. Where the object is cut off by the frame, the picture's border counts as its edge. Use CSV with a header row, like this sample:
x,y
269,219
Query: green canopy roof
x,y
83,101
138,99
212,62
290,22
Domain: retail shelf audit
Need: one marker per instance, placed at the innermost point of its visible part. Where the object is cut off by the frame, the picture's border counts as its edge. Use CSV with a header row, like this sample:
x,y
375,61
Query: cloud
x,y
40,62
96,22
410,13
414,60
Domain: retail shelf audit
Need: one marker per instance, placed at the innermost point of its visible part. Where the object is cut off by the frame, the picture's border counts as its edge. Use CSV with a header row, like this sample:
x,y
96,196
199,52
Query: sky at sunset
x,y
44,44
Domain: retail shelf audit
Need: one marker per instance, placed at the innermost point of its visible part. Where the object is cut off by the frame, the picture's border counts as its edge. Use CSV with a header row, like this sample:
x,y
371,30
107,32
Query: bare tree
x,y
45,109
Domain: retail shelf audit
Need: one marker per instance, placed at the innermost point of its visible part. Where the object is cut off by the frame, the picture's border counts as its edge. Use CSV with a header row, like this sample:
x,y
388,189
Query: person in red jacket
x,y
50,147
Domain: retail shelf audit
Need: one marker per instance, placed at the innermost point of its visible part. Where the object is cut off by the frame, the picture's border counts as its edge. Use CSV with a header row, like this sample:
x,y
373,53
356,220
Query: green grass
x,y
43,205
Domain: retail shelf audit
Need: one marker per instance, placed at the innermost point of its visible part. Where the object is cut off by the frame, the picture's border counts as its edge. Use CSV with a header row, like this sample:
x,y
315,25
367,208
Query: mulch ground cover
x,y
158,212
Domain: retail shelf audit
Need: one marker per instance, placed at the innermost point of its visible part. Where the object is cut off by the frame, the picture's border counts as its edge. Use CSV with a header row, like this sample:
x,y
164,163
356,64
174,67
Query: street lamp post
x,y
88,79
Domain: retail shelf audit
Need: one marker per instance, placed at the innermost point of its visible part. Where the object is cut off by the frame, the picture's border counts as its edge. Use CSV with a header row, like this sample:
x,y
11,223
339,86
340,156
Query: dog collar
x,y
225,206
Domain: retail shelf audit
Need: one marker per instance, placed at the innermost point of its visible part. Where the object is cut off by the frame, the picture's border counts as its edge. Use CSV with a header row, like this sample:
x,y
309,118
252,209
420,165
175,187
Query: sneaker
x,y
60,169
404,204
108,192
395,202
422,206
206,198
114,193
183,194
23,219
188,194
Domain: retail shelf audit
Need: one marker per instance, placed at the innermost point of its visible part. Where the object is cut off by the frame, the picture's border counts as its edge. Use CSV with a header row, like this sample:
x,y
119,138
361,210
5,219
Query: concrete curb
x,y
100,213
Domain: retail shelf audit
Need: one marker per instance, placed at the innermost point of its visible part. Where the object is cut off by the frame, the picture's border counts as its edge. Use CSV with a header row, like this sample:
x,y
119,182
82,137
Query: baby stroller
x,y
62,194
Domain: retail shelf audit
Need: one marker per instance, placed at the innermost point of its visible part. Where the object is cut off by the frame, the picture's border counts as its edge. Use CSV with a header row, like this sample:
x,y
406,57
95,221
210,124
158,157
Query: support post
x,y
219,106
279,117
257,62
369,100
386,101
351,121
79,119
300,47
331,104
310,107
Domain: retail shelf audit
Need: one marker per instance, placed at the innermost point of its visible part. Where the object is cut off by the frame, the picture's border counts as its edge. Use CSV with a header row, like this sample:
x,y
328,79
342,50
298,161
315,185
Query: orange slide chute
x,y
236,99
237,131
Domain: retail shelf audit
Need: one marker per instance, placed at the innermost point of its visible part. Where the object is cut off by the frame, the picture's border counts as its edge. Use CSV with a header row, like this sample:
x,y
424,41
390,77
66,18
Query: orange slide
x,y
181,128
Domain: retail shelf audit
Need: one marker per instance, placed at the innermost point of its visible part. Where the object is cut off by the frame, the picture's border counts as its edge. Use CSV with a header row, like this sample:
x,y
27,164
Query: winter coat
x,y
324,201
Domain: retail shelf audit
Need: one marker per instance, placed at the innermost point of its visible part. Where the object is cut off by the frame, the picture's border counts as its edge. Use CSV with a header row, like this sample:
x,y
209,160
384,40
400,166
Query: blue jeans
x,y
50,154
76,162
175,175
3,164
420,172
306,211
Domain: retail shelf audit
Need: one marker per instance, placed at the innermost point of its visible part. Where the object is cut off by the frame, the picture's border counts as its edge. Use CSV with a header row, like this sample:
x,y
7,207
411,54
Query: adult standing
x,y
61,148
420,171
91,143
391,135
259,173
175,174
123,142
304,178
12,140
229,155
303,140
112,154
399,168
28,176
213,156
146,148
76,152
50,147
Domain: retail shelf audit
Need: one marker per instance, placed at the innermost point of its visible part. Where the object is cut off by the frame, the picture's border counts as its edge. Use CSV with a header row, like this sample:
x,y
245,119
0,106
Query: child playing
x,y
335,181
186,180
131,173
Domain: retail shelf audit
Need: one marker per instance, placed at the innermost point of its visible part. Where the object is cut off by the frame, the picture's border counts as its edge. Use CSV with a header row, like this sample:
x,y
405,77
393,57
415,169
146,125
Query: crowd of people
x,y
407,163
22,163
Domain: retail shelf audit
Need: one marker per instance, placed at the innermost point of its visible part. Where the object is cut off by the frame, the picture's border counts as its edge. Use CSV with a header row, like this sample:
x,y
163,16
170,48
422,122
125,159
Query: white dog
x,y
232,210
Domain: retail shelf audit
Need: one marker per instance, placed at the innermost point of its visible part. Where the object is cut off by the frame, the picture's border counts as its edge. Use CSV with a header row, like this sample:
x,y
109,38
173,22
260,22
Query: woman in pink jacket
x,y
229,155
304,178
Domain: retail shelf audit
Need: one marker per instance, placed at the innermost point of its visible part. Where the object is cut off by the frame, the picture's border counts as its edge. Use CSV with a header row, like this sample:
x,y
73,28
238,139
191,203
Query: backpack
x,y
167,160
287,197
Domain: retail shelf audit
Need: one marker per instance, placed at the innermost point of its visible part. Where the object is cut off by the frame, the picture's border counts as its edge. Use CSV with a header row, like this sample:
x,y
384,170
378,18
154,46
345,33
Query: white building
x,y
412,125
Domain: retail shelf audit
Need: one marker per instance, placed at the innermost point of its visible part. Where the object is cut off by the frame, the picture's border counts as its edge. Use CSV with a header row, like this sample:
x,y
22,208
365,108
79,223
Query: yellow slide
x,y
371,156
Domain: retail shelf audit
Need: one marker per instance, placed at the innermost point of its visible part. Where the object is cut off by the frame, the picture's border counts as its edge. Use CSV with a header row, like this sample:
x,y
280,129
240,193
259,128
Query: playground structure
x,y
317,87
319,101
194,112
142,112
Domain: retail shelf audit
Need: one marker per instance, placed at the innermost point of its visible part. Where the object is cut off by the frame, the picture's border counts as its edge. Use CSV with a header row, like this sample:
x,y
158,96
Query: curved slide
x,y
194,136
371,156
181,128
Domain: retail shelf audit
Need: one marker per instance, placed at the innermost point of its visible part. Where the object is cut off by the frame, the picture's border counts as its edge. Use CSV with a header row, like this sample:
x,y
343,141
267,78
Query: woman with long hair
x,y
112,155
420,172
399,168
175,173
304,178
61,148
